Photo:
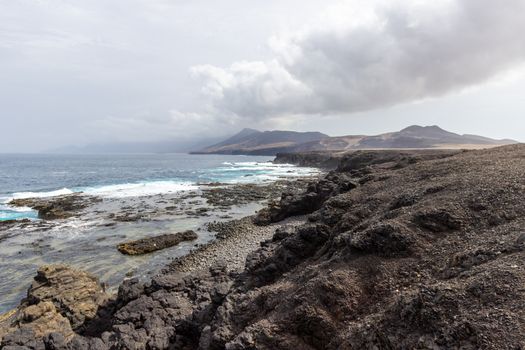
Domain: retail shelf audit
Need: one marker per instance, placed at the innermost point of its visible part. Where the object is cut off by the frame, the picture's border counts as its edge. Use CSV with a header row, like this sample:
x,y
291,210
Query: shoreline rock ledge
x,y
399,251
152,244
60,301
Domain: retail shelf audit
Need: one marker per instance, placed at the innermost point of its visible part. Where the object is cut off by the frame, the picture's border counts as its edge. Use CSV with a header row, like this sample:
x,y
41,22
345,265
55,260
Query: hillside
x,y
401,250
255,142
251,141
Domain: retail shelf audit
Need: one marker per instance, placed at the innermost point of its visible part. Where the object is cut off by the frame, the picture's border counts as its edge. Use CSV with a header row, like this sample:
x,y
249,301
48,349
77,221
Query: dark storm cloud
x,y
404,51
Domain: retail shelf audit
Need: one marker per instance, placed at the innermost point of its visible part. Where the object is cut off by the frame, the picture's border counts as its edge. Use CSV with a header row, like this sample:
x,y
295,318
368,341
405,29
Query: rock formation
x,y
417,253
151,244
60,207
60,301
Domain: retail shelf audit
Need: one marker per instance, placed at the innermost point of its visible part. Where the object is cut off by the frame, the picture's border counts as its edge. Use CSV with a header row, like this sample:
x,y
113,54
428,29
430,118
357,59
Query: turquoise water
x,y
153,185
8,214
27,176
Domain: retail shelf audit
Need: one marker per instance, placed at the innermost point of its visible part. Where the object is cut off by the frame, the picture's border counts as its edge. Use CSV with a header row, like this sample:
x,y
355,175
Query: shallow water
x,y
117,176
145,186
88,244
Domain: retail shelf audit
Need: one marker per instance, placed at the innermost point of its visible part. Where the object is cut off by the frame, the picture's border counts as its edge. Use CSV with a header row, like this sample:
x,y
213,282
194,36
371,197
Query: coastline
x,y
235,240
390,250
99,224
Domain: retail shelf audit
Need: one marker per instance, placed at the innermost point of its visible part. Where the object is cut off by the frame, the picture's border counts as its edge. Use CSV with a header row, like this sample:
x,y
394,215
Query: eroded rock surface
x,y
60,207
60,300
418,253
151,244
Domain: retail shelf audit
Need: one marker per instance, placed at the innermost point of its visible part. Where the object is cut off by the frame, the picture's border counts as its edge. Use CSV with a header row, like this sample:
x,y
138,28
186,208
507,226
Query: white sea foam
x,y
237,172
257,172
8,212
23,195
110,191
139,189
16,209
264,164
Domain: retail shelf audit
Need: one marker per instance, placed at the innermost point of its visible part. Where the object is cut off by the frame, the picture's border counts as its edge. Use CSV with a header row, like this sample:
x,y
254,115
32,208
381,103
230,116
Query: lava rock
x,y
152,244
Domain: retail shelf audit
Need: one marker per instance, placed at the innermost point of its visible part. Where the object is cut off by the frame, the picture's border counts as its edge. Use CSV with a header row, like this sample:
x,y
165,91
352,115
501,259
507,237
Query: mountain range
x,y
255,142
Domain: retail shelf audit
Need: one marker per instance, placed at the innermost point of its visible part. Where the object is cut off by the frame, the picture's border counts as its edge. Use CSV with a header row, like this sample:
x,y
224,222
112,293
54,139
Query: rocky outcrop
x,y
353,169
301,203
152,244
424,254
60,301
324,160
75,293
32,323
60,207
413,257
388,159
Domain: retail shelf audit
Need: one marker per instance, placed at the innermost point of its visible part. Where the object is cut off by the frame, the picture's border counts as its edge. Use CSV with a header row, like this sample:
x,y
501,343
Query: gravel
x,y
235,240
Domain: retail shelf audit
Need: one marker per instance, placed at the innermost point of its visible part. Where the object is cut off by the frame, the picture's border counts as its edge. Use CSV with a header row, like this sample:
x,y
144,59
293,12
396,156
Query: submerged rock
x,y
54,208
151,244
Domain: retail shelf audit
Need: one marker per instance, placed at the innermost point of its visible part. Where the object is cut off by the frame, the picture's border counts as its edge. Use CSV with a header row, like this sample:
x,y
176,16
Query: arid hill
x,y
255,142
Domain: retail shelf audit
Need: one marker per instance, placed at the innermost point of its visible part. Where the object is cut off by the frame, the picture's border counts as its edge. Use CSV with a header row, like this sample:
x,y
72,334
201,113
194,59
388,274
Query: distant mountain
x,y
254,142
414,136
135,147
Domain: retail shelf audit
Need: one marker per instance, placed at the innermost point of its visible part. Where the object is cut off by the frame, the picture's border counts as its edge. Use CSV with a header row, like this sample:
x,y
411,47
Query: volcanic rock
x,y
54,208
412,253
60,301
151,244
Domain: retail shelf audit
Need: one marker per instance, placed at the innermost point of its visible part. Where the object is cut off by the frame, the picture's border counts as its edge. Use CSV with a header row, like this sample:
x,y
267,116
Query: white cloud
x,y
359,58
253,89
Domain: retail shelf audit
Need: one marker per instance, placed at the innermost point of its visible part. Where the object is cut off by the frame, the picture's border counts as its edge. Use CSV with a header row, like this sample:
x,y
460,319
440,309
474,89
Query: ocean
x,y
29,176
148,184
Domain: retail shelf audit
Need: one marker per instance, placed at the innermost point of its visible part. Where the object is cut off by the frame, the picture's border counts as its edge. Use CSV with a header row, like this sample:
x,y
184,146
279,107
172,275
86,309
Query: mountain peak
x,y
248,131
250,141
254,142
416,128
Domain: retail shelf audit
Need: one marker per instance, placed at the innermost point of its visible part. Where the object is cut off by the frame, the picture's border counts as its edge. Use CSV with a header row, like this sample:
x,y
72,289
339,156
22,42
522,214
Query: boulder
x,y
76,294
151,244
60,300
54,208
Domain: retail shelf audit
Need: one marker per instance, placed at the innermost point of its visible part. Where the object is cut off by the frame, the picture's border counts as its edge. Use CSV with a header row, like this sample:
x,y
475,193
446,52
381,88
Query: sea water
x,y
121,181
30,176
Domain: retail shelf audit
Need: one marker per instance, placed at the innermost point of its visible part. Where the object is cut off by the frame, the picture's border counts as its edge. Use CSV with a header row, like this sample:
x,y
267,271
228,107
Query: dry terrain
x,y
400,251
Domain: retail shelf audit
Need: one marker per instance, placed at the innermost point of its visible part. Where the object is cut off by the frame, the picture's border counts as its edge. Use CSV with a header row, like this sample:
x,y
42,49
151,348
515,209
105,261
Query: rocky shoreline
x,y
399,250
91,228
235,240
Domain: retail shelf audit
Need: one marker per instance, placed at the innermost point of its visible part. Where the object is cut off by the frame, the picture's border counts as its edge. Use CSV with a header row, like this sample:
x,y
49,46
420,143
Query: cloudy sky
x,y
100,71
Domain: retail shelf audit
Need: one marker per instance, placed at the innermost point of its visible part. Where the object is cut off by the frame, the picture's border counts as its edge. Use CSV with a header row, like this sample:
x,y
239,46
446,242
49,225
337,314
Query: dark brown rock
x,y
293,203
435,272
54,208
60,301
75,293
151,244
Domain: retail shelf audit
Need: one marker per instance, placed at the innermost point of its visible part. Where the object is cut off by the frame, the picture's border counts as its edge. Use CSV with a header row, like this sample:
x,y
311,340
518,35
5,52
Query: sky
x,y
83,72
